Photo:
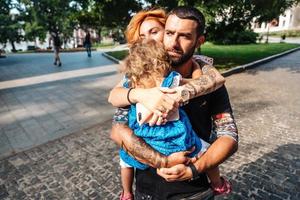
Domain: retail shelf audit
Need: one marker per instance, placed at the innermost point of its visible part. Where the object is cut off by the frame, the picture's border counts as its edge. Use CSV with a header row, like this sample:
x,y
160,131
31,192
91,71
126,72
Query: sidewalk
x,y
40,102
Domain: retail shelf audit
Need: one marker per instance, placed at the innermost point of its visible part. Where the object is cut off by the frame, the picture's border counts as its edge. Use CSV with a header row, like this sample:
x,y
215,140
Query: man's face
x,y
180,39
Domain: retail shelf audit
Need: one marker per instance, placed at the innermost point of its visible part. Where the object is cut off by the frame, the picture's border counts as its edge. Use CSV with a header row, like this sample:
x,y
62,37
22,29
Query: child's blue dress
x,y
172,137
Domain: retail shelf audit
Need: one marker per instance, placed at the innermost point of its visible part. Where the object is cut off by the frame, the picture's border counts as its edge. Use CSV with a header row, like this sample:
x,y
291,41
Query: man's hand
x,y
180,158
178,172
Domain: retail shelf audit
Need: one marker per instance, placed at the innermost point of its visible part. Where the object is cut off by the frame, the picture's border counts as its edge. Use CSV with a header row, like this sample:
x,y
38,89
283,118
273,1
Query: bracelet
x,y
194,171
128,95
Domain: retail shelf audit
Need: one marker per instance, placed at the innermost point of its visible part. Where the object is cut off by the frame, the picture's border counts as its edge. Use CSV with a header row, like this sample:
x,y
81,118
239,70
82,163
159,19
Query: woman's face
x,y
151,29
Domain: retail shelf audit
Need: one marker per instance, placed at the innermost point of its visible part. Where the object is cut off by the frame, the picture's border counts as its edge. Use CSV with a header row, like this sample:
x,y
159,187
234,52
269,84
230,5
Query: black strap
x,y
194,171
128,99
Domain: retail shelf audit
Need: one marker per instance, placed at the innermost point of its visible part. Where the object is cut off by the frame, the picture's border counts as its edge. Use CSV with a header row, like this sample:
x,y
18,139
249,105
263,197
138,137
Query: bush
x,y
31,48
234,37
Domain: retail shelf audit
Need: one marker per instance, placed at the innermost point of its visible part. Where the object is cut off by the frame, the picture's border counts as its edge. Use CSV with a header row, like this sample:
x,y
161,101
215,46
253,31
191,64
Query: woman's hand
x,y
158,100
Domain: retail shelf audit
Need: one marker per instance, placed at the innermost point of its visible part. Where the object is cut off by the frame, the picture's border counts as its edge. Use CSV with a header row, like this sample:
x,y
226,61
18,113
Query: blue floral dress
x,y
172,137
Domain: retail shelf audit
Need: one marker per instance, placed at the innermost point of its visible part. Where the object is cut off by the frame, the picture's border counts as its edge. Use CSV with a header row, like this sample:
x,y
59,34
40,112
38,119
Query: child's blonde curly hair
x,y
147,61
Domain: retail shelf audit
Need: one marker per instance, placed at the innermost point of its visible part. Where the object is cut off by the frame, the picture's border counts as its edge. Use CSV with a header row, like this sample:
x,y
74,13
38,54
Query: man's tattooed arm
x,y
224,125
140,150
209,81
133,145
224,146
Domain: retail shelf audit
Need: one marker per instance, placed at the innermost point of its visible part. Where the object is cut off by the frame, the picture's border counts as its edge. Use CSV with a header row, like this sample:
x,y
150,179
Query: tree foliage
x,y
112,14
10,25
229,19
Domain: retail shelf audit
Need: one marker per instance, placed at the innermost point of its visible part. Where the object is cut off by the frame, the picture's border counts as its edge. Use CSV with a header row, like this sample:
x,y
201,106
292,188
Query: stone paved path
x,y
266,102
40,102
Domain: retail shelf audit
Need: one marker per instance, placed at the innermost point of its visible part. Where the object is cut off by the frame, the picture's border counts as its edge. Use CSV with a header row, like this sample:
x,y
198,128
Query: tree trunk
x,y
99,35
13,46
267,40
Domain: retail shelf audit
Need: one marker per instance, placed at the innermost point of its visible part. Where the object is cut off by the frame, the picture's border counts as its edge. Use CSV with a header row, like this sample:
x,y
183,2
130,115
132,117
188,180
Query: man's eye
x,y
186,37
154,32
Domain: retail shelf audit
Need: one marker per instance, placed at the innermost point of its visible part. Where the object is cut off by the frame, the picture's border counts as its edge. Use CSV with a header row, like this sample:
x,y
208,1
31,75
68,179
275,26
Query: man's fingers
x,y
194,159
164,121
169,171
170,175
189,151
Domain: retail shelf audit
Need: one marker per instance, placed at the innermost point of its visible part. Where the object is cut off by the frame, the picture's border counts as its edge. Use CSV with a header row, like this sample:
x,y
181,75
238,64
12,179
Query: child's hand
x,y
179,158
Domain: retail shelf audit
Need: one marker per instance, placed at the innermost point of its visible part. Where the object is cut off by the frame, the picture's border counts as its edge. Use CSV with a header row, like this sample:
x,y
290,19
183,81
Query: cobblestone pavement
x,y
40,102
266,103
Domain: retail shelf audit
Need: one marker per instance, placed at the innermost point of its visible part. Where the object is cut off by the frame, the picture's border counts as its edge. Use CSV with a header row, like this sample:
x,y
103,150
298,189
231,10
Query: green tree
x,y
31,26
10,26
53,16
228,21
112,14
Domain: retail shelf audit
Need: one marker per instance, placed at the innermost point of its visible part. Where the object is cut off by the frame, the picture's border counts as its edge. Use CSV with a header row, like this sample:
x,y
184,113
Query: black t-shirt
x,y
200,111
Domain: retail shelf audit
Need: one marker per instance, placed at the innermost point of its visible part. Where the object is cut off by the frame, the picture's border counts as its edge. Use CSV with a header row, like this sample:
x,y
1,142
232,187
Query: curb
x,y
111,58
237,69
253,64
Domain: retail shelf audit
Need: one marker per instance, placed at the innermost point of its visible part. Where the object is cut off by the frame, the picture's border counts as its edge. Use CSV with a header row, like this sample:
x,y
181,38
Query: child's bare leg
x,y
127,174
214,177
218,184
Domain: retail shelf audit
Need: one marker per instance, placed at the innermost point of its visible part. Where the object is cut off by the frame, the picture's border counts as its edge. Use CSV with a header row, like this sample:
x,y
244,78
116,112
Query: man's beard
x,y
178,61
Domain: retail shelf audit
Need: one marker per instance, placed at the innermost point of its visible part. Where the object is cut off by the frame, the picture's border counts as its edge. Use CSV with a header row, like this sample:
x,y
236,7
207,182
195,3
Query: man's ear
x,y
200,40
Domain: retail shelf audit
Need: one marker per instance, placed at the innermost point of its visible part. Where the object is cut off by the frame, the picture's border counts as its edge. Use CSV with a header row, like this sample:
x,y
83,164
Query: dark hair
x,y
186,12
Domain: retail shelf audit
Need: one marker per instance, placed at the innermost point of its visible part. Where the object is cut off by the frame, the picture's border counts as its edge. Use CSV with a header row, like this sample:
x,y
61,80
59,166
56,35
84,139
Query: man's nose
x,y
174,42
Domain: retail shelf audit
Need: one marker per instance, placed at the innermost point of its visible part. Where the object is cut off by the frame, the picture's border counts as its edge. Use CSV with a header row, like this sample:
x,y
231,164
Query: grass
x,y
120,55
228,56
104,45
288,33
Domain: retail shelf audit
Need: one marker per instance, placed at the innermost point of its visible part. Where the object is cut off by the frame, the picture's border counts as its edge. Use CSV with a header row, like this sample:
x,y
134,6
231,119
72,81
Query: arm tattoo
x,y
206,83
190,87
142,152
137,147
224,125
200,86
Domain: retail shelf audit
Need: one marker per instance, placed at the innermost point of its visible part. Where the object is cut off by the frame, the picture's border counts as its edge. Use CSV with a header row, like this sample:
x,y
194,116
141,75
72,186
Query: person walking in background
x,y
56,48
88,44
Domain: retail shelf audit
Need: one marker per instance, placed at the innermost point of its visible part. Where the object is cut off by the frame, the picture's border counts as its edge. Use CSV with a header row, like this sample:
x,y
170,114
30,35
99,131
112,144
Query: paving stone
x,y
3,192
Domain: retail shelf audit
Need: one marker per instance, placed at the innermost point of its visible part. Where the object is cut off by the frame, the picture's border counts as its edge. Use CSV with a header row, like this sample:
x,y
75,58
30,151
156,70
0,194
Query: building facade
x,y
289,21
